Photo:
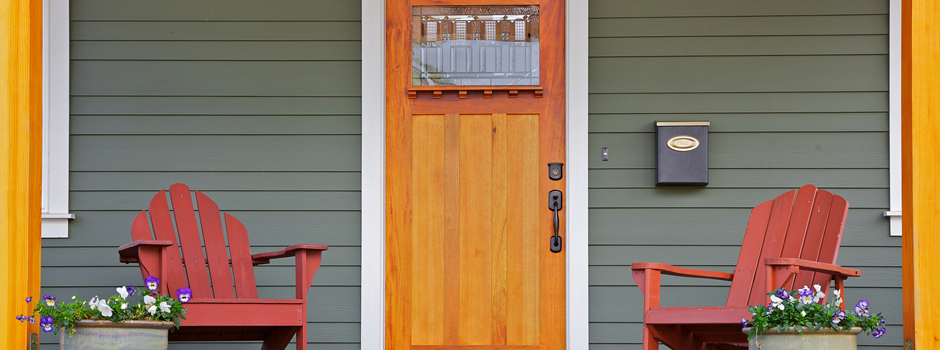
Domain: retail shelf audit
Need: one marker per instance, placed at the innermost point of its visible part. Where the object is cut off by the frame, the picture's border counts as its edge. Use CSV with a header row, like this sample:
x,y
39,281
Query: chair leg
x,y
302,337
649,343
279,338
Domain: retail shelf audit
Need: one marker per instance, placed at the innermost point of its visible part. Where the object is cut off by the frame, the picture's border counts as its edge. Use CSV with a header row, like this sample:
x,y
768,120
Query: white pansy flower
x,y
149,300
152,309
776,302
123,306
104,308
123,292
164,307
819,294
838,294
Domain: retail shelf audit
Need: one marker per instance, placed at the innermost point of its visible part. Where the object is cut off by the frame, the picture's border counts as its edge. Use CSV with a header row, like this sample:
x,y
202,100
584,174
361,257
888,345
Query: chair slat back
x,y
242,268
190,269
805,224
163,230
190,241
216,254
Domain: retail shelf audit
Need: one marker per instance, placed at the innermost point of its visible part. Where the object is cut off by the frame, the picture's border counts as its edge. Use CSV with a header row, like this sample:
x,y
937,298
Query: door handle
x,y
554,204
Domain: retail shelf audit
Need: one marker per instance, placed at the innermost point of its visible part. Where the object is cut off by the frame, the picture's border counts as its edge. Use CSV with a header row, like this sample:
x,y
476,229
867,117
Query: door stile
x,y
397,184
552,127
499,238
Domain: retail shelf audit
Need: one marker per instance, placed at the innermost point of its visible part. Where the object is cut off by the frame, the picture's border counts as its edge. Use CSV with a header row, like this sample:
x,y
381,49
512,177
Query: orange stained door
x,y
468,224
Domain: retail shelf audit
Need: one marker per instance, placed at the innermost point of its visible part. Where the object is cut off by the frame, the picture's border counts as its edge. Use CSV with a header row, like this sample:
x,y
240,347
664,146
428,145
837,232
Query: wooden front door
x,y
468,222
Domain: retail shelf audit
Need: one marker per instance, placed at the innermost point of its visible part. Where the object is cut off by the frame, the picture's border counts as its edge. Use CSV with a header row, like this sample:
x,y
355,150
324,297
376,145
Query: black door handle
x,y
554,203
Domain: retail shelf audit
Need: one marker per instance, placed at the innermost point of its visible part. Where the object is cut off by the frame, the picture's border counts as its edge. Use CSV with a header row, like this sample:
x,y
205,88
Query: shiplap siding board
x,y
796,93
256,104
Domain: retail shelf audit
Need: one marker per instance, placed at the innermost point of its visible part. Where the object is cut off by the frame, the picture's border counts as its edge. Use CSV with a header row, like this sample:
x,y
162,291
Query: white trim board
x,y
372,313
894,116
55,111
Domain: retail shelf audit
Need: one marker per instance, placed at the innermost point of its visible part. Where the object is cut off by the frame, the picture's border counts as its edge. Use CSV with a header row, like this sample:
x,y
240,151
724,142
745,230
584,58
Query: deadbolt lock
x,y
555,171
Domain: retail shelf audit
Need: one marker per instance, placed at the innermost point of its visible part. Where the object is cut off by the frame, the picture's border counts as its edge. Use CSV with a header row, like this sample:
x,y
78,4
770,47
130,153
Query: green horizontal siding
x,y
796,93
257,105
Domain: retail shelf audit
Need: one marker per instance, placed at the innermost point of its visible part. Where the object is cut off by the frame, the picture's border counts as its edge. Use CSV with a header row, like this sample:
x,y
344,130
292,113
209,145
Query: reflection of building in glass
x,y
475,45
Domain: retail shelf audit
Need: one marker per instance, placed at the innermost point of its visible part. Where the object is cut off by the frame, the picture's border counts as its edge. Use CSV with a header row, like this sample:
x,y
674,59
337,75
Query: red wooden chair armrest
x,y
307,261
130,253
681,271
291,251
814,266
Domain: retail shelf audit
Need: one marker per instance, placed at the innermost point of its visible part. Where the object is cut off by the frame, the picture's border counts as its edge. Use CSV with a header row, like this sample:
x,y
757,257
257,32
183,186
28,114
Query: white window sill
x,y
56,225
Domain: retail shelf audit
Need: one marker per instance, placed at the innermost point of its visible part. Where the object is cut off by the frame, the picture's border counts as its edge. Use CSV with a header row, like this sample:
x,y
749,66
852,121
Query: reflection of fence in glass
x,y
475,45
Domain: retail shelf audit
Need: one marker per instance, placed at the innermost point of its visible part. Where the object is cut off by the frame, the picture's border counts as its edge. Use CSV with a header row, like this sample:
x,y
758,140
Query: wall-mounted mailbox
x,y
682,153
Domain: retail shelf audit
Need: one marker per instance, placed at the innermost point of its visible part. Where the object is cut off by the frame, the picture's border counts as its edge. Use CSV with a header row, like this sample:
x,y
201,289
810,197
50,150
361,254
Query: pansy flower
x,y
877,334
123,292
819,294
782,294
29,300
46,324
184,294
93,302
806,296
152,309
861,308
31,319
104,308
131,290
776,302
164,307
21,318
743,322
149,300
50,300
838,317
838,294
152,283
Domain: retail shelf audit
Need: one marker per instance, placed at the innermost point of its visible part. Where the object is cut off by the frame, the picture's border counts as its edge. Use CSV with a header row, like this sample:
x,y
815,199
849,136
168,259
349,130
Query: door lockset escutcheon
x,y
554,203
555,171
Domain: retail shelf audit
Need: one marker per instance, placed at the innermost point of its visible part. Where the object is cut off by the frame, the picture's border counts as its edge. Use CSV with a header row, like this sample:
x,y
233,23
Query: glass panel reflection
x,y
475,45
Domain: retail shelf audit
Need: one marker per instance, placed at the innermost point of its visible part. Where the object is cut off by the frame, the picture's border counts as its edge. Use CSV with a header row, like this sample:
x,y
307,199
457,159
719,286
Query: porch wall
x,y
796,92
255,103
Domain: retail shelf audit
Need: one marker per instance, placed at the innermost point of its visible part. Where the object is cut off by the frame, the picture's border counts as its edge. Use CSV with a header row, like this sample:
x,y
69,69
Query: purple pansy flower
x,y
877,334
46,324
131,290
21,318
184,294
31,319
861,308
806,295
782,294
29,300
50,300
743,322
152,283
838,317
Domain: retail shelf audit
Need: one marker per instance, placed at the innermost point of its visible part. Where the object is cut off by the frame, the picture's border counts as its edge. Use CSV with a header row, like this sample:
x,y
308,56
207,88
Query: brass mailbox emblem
x,y
682,143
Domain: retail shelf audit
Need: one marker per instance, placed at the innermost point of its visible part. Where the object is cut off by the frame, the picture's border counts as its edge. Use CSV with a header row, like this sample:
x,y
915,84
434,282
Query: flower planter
x,y
824,339
97,334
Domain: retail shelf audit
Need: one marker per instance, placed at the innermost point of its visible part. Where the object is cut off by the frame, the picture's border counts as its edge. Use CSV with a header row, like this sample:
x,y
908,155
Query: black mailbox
x,y
682,153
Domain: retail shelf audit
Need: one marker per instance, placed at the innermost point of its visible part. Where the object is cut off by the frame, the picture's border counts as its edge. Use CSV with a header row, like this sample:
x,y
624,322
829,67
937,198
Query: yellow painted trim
x,y
922,249
20,165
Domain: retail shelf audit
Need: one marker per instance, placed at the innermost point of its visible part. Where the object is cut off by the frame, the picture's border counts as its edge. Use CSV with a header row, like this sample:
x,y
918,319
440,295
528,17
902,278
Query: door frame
x,y
372,312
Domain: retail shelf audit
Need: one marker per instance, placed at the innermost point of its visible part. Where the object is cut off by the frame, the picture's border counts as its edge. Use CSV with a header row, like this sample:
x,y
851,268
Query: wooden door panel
x,y
495,264
468,264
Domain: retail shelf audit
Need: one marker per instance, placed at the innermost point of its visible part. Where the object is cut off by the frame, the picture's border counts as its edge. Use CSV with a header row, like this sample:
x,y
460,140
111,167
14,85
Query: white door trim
x,y
372,313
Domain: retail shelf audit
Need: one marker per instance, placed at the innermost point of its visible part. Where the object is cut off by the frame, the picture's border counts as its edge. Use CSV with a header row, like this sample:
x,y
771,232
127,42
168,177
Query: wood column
x,y
20,165
921,172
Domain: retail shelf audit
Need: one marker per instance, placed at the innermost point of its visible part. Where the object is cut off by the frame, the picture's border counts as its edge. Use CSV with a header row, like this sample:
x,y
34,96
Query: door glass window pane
x,y
475,45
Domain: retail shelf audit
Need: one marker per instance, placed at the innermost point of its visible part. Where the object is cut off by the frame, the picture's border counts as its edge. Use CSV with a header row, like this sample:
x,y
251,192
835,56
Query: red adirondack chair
x,y
790,241
227,306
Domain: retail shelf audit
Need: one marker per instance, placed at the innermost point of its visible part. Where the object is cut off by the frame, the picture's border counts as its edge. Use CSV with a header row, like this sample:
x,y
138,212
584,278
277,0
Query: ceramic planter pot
x,y
823,339
105,335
